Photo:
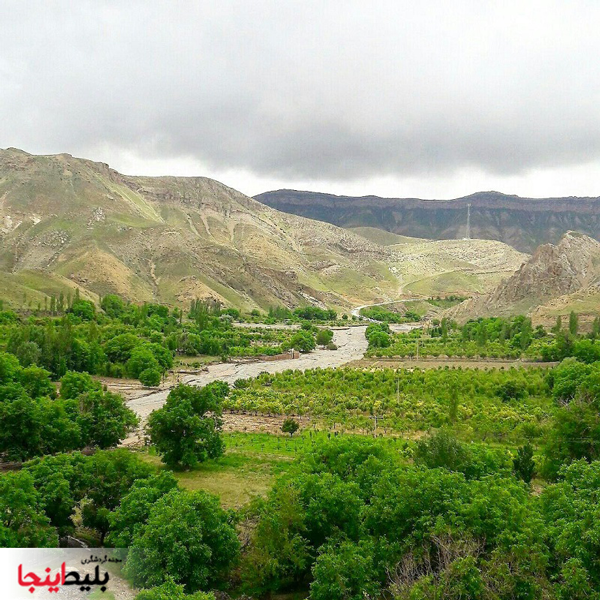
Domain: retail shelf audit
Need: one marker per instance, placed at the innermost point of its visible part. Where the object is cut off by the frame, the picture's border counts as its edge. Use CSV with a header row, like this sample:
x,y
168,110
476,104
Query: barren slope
x,y
66,221
557,279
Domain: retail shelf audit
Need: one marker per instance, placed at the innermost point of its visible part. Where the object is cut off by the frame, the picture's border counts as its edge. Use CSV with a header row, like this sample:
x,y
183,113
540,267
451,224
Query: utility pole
x,y
375,418
468,236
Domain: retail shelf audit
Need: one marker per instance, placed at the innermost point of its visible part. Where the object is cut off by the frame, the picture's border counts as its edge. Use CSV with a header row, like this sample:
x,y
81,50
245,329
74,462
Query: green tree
x,y
52,479
141,359
303,341
573,323
150,377
133,511
74,384
324,336
558,326
575,434
188,537
379,339
187,429
107,476
84,309
172,591
570,510
37,383
345,572
112,305
290,426
104,419
523,463
23,523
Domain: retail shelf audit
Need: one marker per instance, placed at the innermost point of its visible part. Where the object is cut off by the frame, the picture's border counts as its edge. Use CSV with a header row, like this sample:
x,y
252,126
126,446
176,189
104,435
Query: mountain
x,y
555,280
67,222
524,223
462,267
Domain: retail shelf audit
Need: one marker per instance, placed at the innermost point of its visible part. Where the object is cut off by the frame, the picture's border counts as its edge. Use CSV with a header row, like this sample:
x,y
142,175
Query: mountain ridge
x,y
524,223
547,285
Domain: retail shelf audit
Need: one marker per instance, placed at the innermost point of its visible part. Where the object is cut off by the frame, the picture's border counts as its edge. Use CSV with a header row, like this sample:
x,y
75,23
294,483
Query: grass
x,y
251,463
247,470
454,282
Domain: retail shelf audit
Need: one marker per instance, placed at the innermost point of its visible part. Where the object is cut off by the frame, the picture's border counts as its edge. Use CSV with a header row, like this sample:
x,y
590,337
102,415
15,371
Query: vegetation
x,y
141,342
187,429
495,338
471,483
35,421
496,404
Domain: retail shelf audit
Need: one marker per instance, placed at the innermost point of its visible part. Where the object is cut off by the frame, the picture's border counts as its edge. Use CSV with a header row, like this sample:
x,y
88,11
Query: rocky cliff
x,y
524,223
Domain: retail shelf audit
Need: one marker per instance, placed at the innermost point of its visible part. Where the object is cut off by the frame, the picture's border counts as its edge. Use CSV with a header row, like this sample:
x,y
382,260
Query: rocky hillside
x,y
524,223
557,279
68,222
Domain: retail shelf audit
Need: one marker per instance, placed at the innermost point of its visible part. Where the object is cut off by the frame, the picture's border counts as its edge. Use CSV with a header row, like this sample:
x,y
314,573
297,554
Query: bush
x,y
290,426
150,377
187,429
188,537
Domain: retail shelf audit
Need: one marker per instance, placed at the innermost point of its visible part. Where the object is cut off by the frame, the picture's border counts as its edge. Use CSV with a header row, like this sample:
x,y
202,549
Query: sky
x,y
433,99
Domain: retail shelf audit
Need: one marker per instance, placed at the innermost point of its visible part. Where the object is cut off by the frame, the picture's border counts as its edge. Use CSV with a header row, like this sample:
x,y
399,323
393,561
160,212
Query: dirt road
x,y
351,345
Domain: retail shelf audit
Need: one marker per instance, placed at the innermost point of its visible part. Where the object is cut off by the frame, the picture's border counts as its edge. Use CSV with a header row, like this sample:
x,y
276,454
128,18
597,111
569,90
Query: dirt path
x,y
351,343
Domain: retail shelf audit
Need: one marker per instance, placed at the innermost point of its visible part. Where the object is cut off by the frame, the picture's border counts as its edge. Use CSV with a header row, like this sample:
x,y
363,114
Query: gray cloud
x,y
333,90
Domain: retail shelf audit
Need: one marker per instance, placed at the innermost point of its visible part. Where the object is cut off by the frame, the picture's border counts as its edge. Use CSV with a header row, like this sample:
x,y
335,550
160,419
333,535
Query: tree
x,y
523,463
324,336
119,348
303,341
187,429
290,426
9,367
510,390
84,309
345,572
57,499
150,377
112,305
37,383
23,523
104,418
558,326
573,323
28,353
575,434
133,511
442,450
108,475
172,591
141,359
379,339
74,384
187,537
570,510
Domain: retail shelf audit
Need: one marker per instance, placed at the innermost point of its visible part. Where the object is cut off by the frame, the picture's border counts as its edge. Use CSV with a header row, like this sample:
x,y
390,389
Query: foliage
x,y
133,511
23,523
303,341
34,423
188,538
187,429
172,591
324,337
406,400
523,463
290,426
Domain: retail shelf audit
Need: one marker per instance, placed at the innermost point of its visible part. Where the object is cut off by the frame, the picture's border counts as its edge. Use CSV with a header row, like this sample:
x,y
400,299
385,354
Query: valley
x,y
177,358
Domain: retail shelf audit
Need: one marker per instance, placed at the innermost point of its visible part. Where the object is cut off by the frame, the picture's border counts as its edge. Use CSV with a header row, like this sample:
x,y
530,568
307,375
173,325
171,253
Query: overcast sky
x,y
396,98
